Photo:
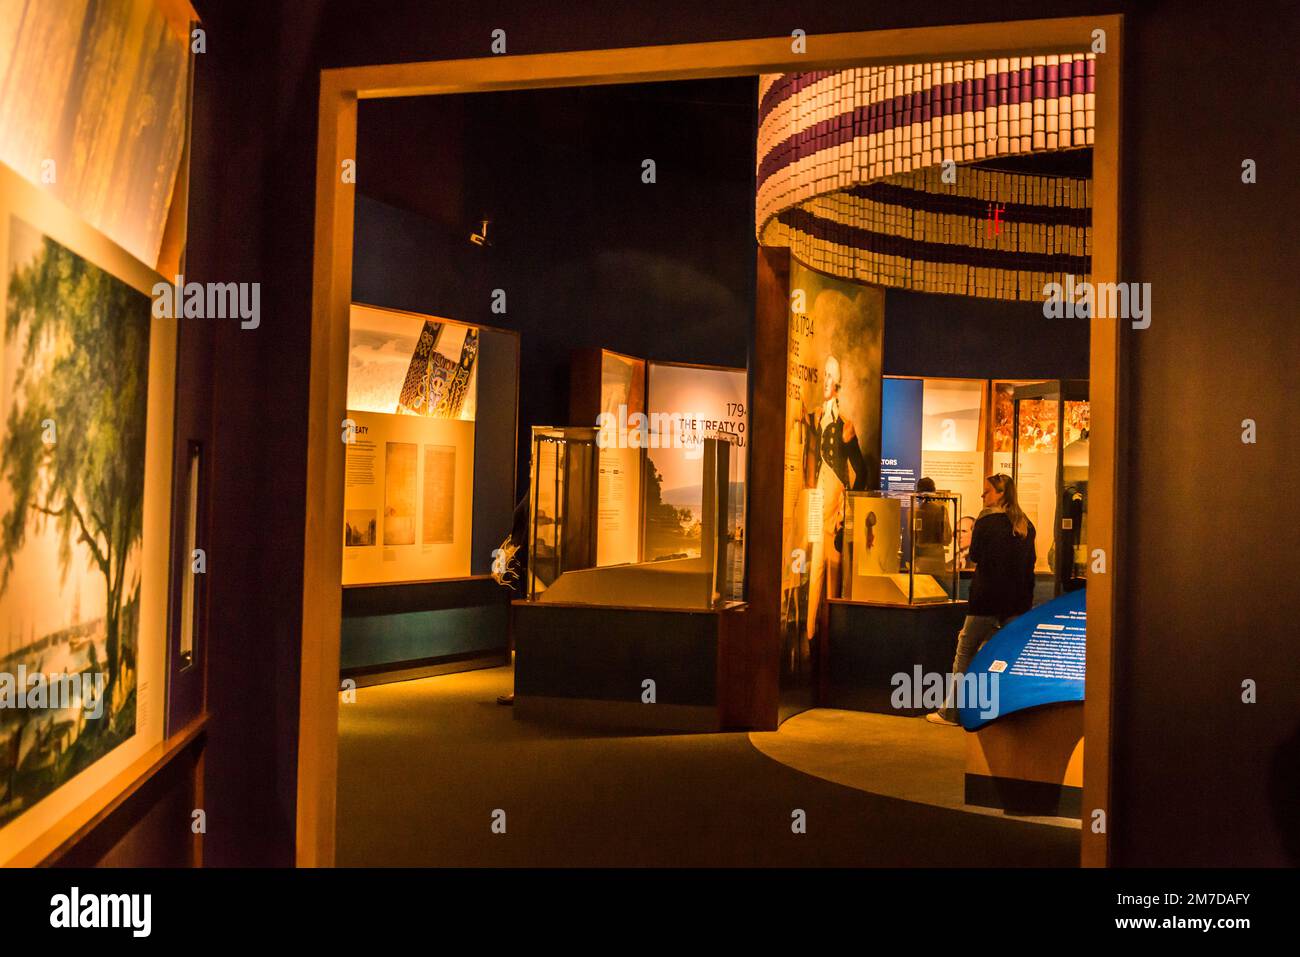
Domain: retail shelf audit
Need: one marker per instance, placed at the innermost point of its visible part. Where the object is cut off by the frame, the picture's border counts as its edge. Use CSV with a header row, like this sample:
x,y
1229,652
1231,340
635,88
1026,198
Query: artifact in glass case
x,y
900,550
582,499
934,547
1050,468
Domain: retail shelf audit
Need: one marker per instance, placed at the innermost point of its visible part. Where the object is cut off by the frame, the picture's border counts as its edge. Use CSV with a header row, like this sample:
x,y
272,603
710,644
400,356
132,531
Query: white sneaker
x,y
934,717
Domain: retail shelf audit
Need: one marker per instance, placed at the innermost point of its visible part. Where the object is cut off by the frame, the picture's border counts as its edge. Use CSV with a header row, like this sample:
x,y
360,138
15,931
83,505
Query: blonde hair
x,y
1006,485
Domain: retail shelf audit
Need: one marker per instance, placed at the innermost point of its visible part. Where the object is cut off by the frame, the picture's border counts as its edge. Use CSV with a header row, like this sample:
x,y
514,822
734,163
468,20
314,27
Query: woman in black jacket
x,y
1002,550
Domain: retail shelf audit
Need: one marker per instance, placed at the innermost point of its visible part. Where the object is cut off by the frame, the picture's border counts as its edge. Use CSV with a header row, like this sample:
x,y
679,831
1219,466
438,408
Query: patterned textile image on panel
x,y
416,387
401,363
436,384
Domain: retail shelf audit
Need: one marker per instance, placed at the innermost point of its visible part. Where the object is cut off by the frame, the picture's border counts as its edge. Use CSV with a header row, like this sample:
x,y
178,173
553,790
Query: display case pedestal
x,y
869,643
1029,762
418,629
587,665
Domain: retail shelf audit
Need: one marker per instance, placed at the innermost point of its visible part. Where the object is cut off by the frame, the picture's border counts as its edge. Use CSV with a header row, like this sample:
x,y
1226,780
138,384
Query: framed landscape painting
x,y
86,400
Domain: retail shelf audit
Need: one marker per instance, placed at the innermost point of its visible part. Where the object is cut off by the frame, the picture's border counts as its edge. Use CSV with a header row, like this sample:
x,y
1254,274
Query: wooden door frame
x,y
340,89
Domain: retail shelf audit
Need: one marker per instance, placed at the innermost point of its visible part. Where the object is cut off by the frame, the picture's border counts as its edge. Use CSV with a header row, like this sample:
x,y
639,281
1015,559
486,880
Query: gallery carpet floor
x,y
424,764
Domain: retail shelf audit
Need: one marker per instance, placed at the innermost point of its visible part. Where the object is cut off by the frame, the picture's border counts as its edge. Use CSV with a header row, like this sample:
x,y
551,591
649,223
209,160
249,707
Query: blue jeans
x,y
975,630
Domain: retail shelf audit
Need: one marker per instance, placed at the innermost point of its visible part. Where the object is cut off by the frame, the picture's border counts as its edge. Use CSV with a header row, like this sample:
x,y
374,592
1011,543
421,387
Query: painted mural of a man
x,y
832,442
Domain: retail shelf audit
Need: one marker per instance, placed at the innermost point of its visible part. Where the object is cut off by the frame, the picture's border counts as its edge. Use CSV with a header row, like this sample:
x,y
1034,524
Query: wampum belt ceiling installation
x,y
866,173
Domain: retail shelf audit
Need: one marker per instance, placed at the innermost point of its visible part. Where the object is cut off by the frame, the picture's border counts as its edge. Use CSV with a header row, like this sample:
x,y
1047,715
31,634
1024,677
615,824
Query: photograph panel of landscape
x,y
74,365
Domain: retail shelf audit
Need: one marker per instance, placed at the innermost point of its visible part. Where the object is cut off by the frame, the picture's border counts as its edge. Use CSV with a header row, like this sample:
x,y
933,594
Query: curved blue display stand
x,y
1038,659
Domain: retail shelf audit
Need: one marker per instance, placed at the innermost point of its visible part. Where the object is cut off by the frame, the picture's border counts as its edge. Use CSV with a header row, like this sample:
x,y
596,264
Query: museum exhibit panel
x,y
595,626
701,400
954,443
939,429
1050,466
428,495
614,389
103,637
1017,438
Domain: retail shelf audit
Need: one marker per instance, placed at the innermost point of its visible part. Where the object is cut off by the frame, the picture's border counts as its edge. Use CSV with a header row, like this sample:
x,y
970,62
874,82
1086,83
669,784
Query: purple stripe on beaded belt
x,y
884,244
871,119
917,200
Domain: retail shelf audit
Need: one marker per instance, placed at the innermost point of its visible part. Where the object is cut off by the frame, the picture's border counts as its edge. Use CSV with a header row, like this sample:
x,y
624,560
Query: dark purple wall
x,y
960,336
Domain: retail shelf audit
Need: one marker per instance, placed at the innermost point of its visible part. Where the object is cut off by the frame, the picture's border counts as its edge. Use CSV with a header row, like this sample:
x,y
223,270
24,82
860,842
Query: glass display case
x,y
563,487
608,526
900,550
1050,468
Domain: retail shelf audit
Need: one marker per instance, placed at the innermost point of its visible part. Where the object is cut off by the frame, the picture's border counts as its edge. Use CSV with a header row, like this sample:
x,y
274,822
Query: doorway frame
x,y
340,91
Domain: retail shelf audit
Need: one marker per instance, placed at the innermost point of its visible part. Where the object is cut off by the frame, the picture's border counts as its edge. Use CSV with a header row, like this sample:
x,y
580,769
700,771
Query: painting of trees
x,y
671,532
74,428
